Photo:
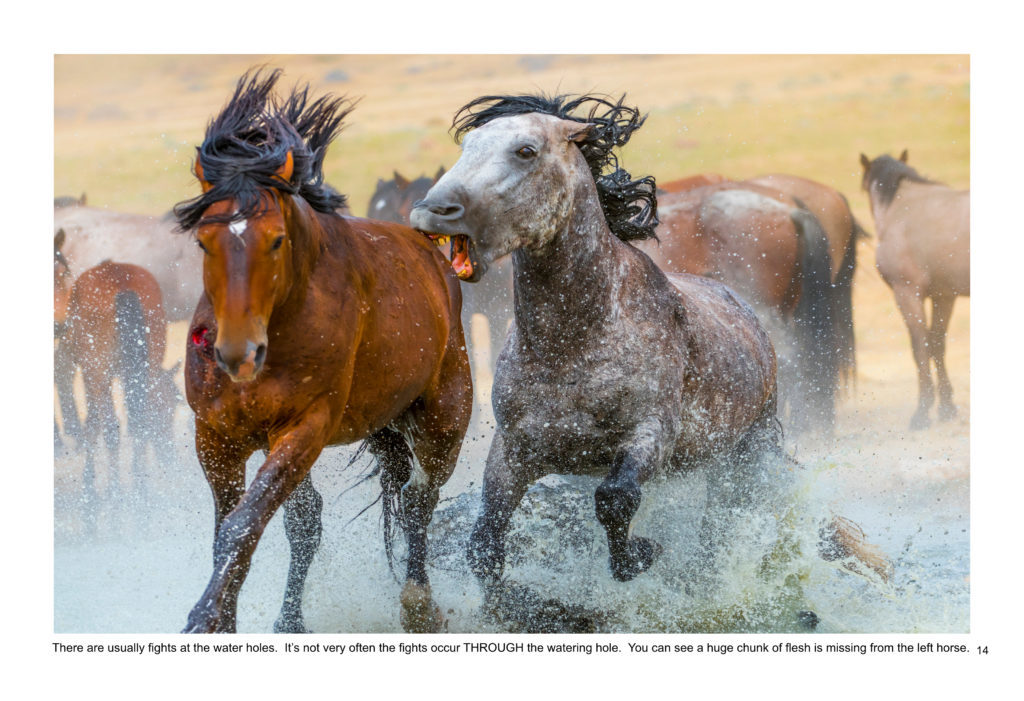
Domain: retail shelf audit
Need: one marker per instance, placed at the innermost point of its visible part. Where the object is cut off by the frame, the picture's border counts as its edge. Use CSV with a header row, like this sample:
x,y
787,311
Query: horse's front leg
x,y
292,454
618,497
303,526
505,483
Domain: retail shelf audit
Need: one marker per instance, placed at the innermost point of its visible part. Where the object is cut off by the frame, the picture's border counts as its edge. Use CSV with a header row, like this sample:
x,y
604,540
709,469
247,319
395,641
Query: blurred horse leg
x,y
911,306
942,310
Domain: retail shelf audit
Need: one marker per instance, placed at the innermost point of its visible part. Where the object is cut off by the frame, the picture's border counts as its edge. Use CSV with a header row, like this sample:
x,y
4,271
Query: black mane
x,y
249,140
630,206
886,173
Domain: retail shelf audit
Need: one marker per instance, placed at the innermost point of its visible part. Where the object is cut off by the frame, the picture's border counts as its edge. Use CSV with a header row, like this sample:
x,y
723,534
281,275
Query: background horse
x,y
63,370
94,235
116,328
924,251
775,254
314,329
832,210
393,199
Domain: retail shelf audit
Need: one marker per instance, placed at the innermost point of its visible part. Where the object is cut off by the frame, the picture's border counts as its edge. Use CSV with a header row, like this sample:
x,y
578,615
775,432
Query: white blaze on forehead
x,y
238,227
380,204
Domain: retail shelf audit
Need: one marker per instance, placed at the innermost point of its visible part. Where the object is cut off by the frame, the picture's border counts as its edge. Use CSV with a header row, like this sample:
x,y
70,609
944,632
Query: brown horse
x,y
314,329
924,251
94,234
116,328
393,199
691,182
774,253
63,369
843,231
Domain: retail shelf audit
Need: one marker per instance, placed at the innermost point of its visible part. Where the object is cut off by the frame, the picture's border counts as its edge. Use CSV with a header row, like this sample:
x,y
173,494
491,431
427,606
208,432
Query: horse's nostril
x,y
261,353
446,210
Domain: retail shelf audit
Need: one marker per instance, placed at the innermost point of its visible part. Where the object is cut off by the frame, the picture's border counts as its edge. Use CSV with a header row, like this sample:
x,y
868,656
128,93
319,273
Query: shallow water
x,y
145,564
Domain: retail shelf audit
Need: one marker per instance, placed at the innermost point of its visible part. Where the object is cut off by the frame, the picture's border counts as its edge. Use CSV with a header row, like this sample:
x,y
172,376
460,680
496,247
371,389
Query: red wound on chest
x,y
199,337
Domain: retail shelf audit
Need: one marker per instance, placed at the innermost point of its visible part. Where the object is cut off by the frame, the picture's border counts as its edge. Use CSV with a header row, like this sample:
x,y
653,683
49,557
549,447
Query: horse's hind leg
x,y
618,498
303,526
911,306
436,427
942,310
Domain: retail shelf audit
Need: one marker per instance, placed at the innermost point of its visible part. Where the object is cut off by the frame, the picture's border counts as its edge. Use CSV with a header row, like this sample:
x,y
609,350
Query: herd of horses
x,y
643,328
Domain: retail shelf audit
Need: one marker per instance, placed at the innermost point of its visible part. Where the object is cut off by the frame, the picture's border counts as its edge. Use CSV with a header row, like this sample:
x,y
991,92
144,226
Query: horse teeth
x,y
442,240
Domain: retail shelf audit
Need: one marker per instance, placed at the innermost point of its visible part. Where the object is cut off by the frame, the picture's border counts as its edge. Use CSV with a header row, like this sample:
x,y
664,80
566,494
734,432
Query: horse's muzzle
x,y
242,367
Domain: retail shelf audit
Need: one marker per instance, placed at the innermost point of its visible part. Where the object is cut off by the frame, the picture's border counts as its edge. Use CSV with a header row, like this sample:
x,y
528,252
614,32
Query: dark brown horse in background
x,y
924,251
775,254
115,328
393,199
314,329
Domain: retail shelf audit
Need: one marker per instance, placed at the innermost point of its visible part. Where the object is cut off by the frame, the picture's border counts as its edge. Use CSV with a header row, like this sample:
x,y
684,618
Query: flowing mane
x,y
887,173
630,206
249,141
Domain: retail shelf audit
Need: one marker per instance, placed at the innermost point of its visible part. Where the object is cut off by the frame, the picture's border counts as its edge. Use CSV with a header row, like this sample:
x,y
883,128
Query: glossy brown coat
x,y
359,321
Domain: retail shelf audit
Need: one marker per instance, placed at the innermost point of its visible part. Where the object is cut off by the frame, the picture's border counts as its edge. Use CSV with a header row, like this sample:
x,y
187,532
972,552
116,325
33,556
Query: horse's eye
x,y
200,244
526,152
277,243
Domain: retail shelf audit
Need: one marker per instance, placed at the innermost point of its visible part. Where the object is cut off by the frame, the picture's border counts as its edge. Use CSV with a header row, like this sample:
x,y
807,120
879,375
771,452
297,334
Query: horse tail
x,y
133,357
843,296
394,460
813,319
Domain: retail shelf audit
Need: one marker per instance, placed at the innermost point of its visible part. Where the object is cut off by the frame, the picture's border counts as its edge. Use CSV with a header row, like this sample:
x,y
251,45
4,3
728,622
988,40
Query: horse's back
x,y
95,234
924,236
730,352
825,203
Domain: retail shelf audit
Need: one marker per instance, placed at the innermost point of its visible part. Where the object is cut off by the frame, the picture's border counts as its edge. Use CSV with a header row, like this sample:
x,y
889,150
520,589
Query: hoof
x,y
419,613
640,554
807,619
947,412
920,421
290,624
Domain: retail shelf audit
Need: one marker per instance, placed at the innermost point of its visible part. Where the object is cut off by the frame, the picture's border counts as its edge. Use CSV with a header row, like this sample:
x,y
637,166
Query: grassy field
x,y
126,126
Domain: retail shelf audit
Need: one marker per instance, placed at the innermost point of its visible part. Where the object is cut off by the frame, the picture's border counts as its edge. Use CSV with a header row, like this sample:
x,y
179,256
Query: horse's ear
x,y
865,163
400,181
58,239
579,132
903,156
198,170
287,168
440,172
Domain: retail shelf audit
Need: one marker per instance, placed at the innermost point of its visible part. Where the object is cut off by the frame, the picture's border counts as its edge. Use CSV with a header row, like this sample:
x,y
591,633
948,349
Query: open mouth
x,y
462,254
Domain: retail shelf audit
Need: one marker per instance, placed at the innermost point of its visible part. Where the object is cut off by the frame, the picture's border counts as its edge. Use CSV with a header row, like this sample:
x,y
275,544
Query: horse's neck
x,y
567,291
306,233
